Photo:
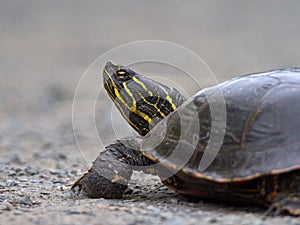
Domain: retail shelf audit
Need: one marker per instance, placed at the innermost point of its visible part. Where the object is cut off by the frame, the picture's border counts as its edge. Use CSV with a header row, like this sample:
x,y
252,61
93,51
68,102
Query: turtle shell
x,y
238,130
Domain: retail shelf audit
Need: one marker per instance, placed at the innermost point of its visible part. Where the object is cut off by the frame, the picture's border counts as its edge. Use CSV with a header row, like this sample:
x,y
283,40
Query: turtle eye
x,y
123,75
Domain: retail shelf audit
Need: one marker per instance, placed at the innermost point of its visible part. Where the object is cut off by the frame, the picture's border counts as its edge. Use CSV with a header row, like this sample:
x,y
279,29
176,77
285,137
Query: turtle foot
x,y
95,186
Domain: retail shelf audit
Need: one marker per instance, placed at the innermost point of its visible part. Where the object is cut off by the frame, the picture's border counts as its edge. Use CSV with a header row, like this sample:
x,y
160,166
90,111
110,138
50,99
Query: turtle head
x,y
142,102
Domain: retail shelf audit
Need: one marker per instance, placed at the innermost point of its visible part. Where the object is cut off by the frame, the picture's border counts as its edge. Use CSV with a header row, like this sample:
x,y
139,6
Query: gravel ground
x,y
44,50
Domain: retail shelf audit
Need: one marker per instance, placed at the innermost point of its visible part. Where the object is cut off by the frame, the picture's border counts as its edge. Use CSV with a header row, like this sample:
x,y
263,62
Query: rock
x,y
23,179
31,170
26,200
45,192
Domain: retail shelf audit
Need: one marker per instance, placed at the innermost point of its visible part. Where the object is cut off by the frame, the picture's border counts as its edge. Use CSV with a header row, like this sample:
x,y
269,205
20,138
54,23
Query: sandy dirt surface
x,y
45,47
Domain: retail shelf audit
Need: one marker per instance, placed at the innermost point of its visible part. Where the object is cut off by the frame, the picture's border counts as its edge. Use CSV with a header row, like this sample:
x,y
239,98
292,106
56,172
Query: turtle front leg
x,y
111,171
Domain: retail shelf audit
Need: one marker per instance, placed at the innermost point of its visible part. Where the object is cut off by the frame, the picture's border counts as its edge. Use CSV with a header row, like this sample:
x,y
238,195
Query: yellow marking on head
x,y
133,107
121,72
121,110
131,95
125,115
154,105
143,86
169,99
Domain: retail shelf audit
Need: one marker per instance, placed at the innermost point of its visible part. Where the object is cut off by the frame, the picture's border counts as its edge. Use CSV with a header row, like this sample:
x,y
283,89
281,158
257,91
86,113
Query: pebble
x,y
12,173
173,201
166,215
11,183
67,195
31,170
54,172
44,176
59,181
128,191
26,200
36,181
45,192
151,208
213,220
2,185
23,179
17,212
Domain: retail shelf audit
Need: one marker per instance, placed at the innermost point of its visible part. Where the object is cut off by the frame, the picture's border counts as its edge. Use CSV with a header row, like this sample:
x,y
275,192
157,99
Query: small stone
x,y
64,188
128,191
59,181
192,204
36,181
54,172
18,170
213,220
136,192
2,185
44,176
26,200
67,195
166,215
12,173
173,200
11,183
23,179
6,208
17,212
4,162
60,156
154,210
31,170
23,185
72,212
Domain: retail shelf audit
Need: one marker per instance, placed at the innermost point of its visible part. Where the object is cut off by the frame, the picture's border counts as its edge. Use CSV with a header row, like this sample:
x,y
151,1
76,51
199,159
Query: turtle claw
x,y
289,203
77,187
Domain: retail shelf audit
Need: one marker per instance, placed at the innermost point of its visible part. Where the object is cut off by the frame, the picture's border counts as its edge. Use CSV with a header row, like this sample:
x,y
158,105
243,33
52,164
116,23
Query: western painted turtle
x,y
257,161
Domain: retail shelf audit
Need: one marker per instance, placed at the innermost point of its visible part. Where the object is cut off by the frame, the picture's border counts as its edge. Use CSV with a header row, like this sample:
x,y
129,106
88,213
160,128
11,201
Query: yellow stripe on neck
x,y
169,99
134,109
143,86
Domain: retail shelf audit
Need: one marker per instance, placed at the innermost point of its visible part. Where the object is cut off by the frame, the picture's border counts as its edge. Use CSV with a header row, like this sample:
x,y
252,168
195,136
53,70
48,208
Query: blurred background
x,y
45,47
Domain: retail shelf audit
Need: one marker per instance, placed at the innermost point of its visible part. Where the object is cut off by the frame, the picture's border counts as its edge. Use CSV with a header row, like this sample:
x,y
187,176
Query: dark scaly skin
x,y
277,190
118,155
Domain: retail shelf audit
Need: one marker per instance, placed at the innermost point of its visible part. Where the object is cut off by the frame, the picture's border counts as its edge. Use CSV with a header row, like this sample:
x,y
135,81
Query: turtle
x,y
257,160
